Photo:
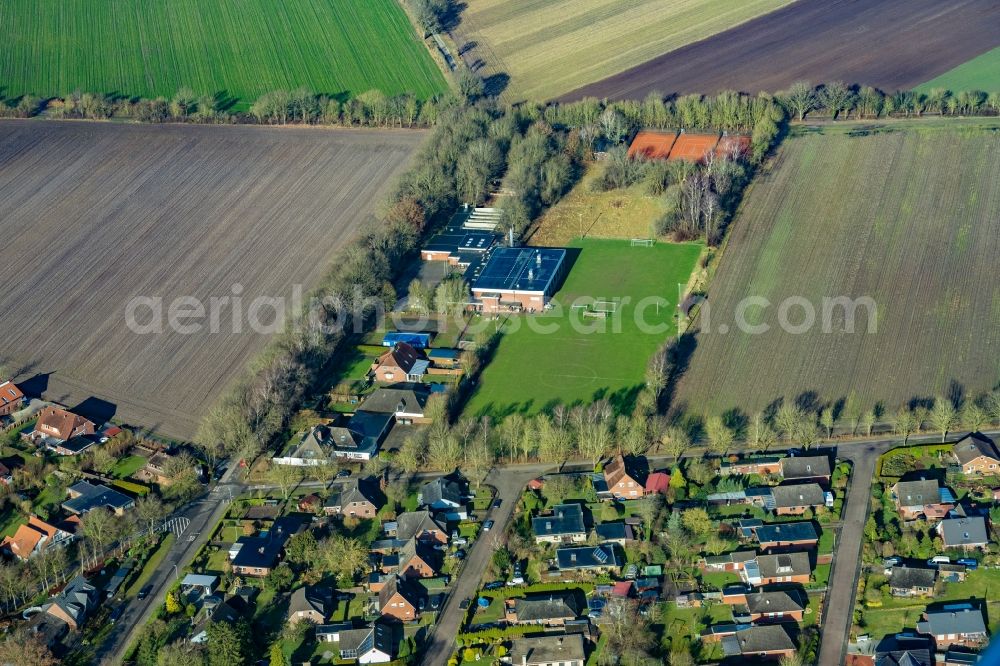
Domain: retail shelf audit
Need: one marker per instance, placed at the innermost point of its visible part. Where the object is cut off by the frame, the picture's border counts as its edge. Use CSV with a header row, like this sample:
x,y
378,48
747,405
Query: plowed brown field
x,y
94,214
890,44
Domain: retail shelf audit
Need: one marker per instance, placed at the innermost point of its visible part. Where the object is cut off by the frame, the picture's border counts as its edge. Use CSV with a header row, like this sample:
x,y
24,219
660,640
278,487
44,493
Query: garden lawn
x,y
533,369
128,466
981,73
235,49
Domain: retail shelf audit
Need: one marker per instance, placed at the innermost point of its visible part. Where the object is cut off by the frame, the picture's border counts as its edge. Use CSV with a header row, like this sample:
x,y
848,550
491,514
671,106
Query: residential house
x,y
56,425
422,526
259,554
417,560
760,465
777,606
74,604
551,609
780,568
955,624
976,453
562,650
11,398
922,498
806,468
734,561
310,603
617,532
398,600
402,363
564,524
965,533
795,500
37,536
371,644
624,481
767,641
358,499
85,496
595,559
229,611
911,581
407,405
442,494
198,585
799,535
657,483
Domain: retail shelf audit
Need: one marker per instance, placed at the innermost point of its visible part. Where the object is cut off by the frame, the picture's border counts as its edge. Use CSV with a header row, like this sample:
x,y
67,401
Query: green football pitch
x,y
535,368
239,48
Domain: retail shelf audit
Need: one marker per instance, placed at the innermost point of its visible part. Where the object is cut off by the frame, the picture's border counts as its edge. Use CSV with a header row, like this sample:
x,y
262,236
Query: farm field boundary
x,y
96,214
907,215
890,44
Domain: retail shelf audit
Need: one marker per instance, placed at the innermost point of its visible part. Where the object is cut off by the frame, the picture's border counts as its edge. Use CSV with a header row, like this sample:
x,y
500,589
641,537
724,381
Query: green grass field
x,y
906,214
240,49
553,47
533,369
982,73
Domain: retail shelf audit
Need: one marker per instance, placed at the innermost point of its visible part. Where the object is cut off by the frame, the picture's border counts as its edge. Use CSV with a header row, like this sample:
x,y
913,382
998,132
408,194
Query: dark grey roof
x,y
763,638
440,489
566,519
805,467
799,494
533,650
786,564
587,557
918,493
798,531
918,657
953,619
549,606
908,578
613,531
974,445
393,400
964,531
414,523
311,598
93,496
775,602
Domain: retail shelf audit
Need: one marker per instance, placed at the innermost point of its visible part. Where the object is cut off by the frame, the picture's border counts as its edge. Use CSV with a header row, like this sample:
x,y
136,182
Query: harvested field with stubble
x,y
905,213
549,48
891,44
94,214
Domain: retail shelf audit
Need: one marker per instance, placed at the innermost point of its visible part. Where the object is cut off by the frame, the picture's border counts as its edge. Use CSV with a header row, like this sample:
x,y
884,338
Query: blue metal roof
x,y
521,269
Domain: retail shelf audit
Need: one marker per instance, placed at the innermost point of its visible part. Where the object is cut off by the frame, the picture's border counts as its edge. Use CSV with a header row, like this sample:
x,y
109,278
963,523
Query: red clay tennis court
x,y
652,145
693,147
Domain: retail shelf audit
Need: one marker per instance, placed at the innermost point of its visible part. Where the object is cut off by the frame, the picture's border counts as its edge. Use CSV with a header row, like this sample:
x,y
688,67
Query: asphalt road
x,y
203,514
509,484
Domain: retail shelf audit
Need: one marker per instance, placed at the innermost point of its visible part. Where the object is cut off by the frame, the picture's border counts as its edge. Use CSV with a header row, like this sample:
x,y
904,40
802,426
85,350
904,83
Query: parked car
x,y
939,559
495,585
968,563
144,592
488,525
